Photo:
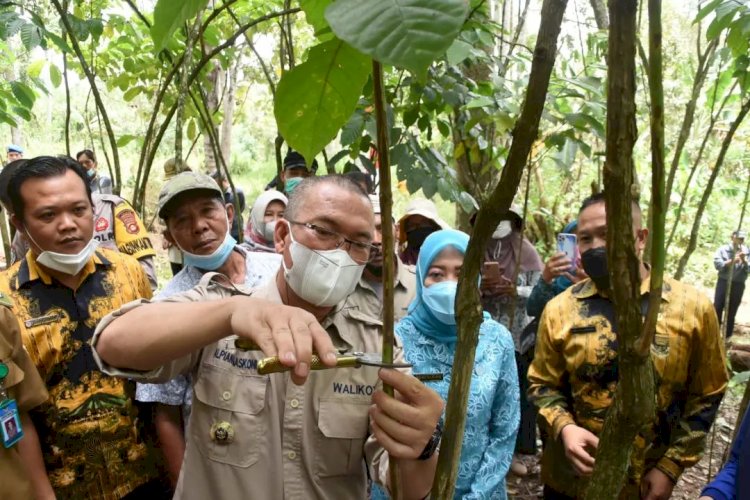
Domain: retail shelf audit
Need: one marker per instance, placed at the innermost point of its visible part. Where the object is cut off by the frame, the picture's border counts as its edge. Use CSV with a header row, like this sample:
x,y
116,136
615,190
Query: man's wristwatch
x,y
433,443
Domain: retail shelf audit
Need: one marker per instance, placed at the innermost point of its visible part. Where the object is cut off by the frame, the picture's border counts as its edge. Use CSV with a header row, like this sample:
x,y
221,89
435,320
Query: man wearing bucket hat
x,y
419,221
731,257
193,209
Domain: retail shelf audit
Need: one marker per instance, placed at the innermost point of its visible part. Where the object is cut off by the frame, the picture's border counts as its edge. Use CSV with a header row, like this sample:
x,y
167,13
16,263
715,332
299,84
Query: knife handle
x,y
274,365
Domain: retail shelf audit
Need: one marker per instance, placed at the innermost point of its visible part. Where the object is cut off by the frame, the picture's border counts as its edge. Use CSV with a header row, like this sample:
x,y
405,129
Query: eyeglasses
x,y
358,250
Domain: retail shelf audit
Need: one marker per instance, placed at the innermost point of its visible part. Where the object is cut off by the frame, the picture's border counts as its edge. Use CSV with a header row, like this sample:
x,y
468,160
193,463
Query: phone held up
x,y
567,244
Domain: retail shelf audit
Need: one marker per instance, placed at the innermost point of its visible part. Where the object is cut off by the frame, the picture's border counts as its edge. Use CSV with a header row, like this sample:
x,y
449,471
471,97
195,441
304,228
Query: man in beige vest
x,y
298,434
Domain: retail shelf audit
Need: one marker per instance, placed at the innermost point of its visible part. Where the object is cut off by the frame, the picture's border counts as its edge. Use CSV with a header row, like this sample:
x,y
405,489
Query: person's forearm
x,y
151,335
420,474
168,424
31,454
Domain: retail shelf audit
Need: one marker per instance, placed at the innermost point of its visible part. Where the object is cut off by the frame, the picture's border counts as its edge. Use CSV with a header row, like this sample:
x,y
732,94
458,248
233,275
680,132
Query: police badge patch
x,y
129,219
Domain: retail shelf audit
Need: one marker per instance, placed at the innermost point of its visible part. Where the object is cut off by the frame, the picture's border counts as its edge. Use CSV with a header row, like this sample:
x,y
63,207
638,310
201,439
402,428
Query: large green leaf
x,y
315,99
169,15
23,93
405,33
314,13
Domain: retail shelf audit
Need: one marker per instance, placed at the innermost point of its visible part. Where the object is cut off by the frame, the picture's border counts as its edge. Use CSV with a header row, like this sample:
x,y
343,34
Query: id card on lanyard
x,y
10,419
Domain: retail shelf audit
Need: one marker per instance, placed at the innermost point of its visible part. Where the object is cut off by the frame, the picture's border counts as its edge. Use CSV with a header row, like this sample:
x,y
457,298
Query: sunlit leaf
x,y
316,98
54,75
169,16
408,34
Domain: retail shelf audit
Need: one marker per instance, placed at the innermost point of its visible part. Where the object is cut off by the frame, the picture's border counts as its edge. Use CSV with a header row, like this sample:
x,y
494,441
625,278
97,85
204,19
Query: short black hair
x,y
600,198
5,176
42,167
88,153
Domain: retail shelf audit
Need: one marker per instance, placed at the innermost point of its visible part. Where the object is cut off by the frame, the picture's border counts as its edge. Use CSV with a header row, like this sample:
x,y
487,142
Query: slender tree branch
x,y
97,97
468,304
726,142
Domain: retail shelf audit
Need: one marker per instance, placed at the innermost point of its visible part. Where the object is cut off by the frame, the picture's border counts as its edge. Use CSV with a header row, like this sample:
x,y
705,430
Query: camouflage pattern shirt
x,y
575,371
88,429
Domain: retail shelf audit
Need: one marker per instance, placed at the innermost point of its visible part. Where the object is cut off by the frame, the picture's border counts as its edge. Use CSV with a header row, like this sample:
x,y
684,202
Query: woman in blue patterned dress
x,y
428,333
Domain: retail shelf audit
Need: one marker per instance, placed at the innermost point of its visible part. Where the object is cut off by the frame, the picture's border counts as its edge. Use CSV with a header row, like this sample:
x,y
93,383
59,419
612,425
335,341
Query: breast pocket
x,y
343,427
227,418
670,355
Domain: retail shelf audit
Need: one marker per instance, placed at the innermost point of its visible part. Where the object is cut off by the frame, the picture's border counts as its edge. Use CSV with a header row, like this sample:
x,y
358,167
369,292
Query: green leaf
x,y
23,93
316,98
409,34
706,10
54,75
458,51
30,36
57,40
353,129
124,140
480,102
191,130
35,68
131,93
169,16
22,112
315,14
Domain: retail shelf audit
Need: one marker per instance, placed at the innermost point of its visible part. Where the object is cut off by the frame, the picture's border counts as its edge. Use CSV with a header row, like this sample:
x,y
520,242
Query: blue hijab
x,y
419,314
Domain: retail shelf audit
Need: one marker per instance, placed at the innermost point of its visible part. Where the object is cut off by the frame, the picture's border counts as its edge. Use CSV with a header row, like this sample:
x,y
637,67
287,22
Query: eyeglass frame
x,y
318,230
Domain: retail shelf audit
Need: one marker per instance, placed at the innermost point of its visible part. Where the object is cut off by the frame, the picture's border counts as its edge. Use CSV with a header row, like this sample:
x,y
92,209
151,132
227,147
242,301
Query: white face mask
x,y
66,263
268,229
321,277
503,229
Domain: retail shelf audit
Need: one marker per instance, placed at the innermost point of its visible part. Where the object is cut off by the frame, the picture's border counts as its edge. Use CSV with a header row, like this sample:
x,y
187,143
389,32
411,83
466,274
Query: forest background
x,y
449,130
225,84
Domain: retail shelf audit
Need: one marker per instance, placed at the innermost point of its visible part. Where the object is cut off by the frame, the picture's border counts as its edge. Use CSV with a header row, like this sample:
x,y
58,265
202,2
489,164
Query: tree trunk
x,y
600,14
212,102
468,305
633,403
228,107
709,188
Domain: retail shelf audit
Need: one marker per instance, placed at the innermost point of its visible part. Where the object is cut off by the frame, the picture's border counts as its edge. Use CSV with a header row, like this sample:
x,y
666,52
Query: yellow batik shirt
x,y
88,428
575,371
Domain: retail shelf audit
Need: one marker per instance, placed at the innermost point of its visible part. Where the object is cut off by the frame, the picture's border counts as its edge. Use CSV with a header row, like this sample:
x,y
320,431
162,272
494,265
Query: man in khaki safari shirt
x,y
260,436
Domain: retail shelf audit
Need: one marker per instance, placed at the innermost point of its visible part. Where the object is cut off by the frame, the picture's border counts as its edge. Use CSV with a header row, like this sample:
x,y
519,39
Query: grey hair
x,y
300,193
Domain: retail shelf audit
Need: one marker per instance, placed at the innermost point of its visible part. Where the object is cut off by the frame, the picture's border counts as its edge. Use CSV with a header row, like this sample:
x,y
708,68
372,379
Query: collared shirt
x,y
25,386
288,441
259,268
88,427
727,253
101,184
117,227
368,296
575,371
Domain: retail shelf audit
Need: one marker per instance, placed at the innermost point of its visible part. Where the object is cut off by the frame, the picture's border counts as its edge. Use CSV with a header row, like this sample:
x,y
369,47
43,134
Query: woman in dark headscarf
x,y
505,290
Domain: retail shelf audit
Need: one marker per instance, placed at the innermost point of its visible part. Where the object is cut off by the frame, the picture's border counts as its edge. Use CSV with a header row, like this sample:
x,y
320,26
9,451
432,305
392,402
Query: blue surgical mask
x,y
216,259
440,300
292,183
91,173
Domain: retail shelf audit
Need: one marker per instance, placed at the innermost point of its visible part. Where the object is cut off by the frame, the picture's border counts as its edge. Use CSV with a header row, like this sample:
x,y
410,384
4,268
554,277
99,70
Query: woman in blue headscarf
x,y
429,336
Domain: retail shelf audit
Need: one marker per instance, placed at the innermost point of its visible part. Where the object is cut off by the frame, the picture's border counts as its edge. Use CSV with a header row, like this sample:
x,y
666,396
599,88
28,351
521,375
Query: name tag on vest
x,y
42,320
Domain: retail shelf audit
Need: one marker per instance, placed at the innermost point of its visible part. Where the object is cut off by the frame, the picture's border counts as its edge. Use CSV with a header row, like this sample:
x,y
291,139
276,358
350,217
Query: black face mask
x,y
594,262
416,237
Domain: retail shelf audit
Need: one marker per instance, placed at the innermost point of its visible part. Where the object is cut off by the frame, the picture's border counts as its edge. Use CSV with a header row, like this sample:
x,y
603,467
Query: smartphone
x,y
567,243
492,271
